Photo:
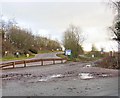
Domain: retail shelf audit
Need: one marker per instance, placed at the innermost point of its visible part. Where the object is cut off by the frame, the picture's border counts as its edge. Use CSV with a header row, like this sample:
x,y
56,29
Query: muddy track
x,y
75,78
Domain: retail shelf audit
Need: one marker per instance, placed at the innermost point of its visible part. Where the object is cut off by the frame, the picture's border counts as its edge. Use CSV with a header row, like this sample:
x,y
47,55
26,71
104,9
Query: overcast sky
x,y
51,19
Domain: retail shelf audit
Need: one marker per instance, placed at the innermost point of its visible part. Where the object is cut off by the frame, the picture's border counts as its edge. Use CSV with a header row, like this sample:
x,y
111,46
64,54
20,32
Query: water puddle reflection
x,y
88,65
50,77
86,76
104,75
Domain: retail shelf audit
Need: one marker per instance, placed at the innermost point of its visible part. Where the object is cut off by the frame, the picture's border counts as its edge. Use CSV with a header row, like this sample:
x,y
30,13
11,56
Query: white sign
x,y
67,52
93,56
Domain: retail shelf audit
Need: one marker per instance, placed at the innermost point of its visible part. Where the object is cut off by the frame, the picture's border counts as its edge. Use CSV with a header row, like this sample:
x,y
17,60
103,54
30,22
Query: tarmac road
x,y
48,55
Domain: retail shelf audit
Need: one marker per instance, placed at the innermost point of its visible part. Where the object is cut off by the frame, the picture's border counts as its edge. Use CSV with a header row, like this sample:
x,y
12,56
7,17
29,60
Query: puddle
x,y
49,77
86,76
82,75
104,75
87,65
56,76
43,80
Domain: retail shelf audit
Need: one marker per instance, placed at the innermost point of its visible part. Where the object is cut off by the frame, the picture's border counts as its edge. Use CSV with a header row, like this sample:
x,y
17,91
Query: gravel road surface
x,y
70,79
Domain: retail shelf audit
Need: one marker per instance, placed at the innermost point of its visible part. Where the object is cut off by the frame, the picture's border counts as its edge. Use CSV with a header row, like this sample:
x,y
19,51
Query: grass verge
x,y
8,58
61,55
79,59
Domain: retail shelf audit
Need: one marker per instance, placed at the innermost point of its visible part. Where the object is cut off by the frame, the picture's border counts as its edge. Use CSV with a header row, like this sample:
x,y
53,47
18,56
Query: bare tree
x,y
73,40
116,24
6,25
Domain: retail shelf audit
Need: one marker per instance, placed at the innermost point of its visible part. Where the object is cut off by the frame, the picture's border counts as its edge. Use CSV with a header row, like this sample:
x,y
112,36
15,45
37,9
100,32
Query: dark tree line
x,y
17,39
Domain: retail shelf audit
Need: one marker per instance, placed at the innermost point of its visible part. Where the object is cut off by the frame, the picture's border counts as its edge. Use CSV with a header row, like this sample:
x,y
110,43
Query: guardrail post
x,y
61,60
13,64
24,63
42,62
53,61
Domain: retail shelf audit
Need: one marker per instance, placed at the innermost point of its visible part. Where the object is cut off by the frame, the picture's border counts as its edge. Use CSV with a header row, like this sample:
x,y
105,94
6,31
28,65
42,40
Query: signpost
x,y
102,51
68,53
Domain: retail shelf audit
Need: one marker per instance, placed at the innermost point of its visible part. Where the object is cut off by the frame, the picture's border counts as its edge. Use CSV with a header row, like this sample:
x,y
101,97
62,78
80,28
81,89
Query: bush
x,y
33,50
27,52
95,53
76,59
109,62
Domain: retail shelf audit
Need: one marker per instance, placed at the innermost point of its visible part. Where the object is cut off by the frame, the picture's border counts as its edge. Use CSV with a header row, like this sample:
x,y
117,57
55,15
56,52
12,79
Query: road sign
x,y
68,52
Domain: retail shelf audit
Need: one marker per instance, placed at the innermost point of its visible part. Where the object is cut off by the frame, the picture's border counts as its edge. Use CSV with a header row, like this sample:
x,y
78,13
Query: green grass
x,y
88,59
61,55
79,59
7,58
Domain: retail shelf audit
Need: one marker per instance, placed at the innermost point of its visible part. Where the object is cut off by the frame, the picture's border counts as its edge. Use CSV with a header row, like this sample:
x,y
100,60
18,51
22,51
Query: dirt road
x,y
70,79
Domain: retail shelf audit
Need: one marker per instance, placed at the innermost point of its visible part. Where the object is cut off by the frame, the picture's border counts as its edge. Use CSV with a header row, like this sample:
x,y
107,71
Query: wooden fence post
x,y
53,61
42,62
13,64
24,63
61,60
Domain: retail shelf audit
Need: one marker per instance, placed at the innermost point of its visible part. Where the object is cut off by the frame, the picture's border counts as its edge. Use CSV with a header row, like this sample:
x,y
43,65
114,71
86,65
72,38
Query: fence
x,y
13,64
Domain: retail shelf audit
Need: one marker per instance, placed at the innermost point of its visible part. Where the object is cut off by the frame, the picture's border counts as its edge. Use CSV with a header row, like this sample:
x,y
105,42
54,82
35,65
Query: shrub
x,y
109,62
27,52
33,50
